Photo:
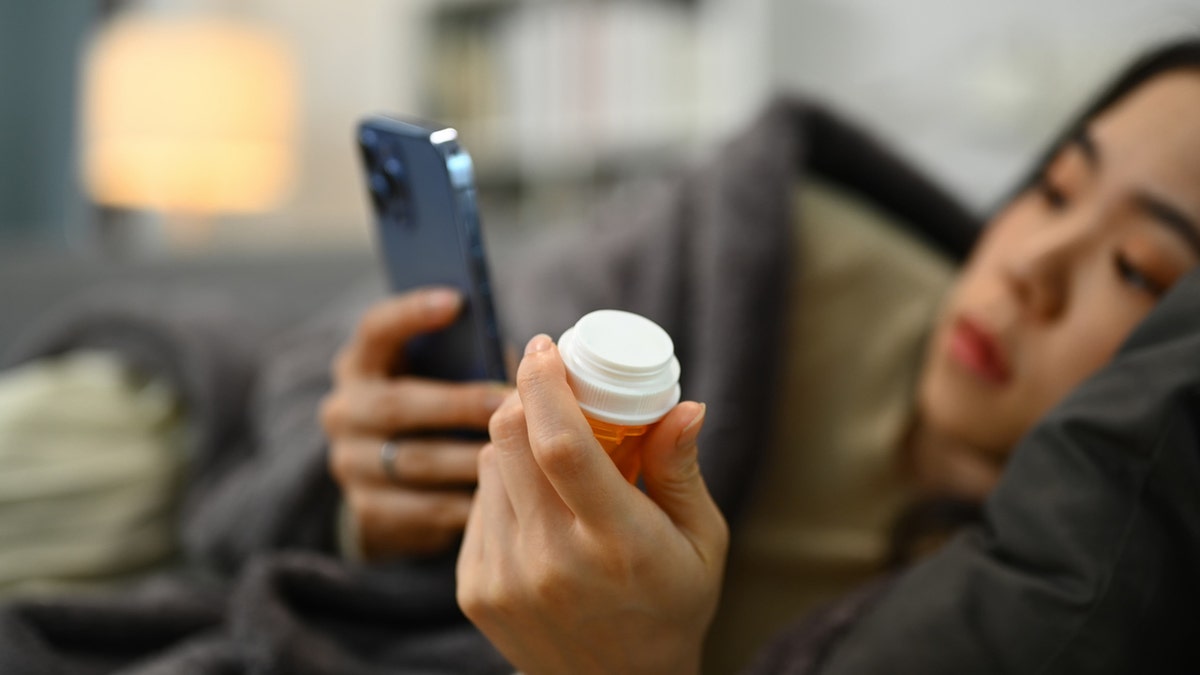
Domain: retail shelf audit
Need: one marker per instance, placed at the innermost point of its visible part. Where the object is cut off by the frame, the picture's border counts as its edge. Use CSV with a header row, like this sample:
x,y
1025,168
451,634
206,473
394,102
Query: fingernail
x,y
539,343
439,299
692,430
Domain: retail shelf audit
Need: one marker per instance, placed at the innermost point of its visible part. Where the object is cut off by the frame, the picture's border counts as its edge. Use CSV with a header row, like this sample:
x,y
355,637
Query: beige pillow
x,y
861,300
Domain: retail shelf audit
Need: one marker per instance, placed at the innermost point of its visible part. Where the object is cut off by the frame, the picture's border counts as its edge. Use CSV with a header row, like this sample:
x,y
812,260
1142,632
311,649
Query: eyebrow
x,y
1161,211
1173,219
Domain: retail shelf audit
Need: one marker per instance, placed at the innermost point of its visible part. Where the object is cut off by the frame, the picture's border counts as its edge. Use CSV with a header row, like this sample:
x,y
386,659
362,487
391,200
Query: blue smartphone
x,y
421,185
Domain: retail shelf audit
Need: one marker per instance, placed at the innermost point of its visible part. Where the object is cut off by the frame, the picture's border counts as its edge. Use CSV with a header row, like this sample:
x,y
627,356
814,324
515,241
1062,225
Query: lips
x,y
976,349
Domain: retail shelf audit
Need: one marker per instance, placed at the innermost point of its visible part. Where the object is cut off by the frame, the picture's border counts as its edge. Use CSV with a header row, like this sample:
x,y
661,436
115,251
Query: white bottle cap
x,y
622,367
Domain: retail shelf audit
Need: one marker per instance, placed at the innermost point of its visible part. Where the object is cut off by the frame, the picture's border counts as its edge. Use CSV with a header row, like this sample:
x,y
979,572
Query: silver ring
x,y
387,457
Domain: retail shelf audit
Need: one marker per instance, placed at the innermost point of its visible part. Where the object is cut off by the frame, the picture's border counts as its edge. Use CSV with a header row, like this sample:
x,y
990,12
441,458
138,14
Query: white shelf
x,y
550,90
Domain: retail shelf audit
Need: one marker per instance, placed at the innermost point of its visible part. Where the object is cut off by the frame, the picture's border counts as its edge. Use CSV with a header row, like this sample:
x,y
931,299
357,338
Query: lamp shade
x,y
189,116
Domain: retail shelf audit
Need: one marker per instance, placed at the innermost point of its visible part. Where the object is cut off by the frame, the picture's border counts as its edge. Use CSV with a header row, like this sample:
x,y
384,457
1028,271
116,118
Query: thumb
x,y
671,471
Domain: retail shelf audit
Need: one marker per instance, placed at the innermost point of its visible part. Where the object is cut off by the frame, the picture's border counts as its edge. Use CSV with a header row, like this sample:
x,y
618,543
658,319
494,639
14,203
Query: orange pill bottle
x,y
623,371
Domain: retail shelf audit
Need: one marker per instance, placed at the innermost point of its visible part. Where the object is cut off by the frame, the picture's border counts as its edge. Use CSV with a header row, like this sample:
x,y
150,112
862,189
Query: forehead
x,y
1154,133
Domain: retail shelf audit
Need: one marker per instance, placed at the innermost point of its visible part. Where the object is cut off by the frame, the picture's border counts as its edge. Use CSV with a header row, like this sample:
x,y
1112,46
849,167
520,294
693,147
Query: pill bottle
x,y
624,373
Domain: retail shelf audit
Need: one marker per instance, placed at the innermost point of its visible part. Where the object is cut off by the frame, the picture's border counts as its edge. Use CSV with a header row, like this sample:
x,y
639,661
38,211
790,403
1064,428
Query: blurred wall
x,y
560,98
972,90
40,44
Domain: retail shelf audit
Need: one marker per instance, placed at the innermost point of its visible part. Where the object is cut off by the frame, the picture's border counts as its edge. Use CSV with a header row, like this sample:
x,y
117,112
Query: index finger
x,y
562,441
388,325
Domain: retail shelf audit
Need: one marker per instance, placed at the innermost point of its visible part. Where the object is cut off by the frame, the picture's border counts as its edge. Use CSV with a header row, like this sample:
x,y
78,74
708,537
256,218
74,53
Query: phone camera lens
x,y
379,189
368,145
393,170
397,188
379,183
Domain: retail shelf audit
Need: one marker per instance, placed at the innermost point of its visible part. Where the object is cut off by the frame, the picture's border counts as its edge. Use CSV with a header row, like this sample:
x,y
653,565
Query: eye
x,y
1131,275
1053,195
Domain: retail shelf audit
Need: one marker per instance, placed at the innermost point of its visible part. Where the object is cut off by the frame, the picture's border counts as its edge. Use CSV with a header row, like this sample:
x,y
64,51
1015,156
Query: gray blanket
x,y
262,591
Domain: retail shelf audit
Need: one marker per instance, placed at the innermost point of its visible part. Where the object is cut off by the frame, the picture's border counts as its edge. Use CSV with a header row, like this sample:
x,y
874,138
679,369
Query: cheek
x,y
1050,359
1083,343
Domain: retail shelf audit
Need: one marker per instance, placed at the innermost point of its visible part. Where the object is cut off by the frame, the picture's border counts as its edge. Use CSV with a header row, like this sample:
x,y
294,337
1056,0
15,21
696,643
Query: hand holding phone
x,y
417,504
422,188
417,383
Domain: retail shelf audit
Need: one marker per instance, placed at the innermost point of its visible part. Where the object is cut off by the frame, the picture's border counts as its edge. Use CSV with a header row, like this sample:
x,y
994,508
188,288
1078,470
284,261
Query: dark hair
x,y
1171,56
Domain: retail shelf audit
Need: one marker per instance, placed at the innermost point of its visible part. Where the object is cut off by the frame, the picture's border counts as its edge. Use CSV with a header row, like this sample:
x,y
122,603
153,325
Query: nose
x,y
1039,271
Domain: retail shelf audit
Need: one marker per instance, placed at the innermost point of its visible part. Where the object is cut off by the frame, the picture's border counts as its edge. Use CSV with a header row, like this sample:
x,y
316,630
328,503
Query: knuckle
x,y
373,324
340,367
560,452
470,601
499,597
549,583
507,422
496,425
340,463
386,407
622,564
485,461
331,412
416,463
484,597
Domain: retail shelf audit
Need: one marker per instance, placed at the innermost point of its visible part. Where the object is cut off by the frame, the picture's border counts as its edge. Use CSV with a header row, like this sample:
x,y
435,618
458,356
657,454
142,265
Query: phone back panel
x,y
422,191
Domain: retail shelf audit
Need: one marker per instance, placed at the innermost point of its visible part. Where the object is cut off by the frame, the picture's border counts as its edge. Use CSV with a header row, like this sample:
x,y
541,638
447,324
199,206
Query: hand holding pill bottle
x,y
623,371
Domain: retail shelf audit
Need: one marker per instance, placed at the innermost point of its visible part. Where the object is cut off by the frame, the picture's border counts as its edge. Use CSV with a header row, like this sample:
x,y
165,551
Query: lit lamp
x,y
189,117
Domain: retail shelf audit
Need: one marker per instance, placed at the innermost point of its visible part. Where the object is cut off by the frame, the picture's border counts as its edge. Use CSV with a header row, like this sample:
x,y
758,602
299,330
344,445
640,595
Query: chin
x,y
970,415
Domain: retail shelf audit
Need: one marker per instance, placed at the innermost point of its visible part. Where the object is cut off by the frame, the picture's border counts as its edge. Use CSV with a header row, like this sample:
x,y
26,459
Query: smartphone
x,y
421,186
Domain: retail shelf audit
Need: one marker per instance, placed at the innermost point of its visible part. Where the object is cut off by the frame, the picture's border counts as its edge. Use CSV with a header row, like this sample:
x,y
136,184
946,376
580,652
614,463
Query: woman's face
x,y
1065,271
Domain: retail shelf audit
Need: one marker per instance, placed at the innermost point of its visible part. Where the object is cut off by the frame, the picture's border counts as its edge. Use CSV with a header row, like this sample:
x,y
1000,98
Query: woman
x,y
566,568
